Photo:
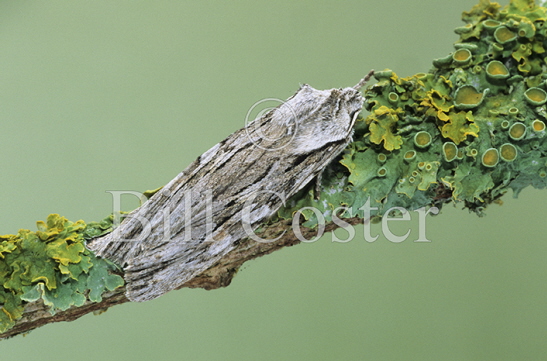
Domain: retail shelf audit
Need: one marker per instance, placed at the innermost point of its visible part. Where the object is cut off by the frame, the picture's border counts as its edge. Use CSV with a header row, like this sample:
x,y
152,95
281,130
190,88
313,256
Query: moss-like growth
x,y
52,264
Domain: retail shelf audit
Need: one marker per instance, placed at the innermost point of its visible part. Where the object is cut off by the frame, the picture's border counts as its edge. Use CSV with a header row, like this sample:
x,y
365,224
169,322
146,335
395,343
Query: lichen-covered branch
x,y
38,313
467,131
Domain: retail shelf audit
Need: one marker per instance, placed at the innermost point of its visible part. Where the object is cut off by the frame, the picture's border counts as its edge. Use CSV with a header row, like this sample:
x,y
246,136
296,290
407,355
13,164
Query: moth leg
x,y
317,189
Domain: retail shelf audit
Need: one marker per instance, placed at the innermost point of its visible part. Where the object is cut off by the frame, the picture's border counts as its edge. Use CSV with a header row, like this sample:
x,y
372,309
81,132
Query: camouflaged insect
x,y
231,189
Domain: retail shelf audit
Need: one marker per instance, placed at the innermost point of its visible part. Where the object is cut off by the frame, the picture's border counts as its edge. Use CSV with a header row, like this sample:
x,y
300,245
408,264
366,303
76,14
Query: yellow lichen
x,y
508,152
450,151
438,104
495,69
459,126
422,139
409,155
517,131
538,125
467,97
461,57
490,157
535,96
483,10
491,24
382,124
504,35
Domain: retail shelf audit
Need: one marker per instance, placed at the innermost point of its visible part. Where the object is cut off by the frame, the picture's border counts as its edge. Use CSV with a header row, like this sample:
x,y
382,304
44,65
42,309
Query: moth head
x,y
310,120
323,116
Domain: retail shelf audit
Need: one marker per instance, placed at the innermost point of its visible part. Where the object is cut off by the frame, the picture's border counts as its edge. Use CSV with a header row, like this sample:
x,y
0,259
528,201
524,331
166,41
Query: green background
x,y
123,95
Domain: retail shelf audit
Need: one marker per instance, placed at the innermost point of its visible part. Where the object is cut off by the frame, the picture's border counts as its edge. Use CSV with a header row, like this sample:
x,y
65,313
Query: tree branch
x,y
37,314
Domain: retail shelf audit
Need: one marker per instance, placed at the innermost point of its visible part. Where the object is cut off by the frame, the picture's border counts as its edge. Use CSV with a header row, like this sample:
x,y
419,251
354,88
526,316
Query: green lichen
x,y
53,264
482,107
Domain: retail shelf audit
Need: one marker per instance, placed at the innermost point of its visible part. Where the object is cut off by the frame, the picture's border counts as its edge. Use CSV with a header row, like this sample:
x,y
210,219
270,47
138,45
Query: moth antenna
x,y
364,80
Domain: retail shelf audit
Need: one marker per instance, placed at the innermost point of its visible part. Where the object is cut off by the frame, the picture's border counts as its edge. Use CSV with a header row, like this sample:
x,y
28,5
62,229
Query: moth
x,y
231,189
